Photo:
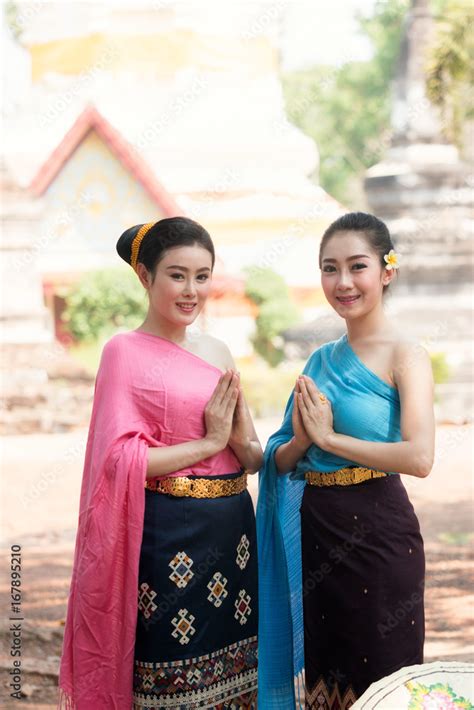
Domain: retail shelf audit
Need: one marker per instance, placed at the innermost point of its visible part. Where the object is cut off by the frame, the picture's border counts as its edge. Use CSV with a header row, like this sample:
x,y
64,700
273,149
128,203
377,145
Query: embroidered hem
x,y
207,681
321,698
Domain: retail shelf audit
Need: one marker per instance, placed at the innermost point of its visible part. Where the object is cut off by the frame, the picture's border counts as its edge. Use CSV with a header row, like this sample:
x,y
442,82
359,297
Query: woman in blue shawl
x,y
341,560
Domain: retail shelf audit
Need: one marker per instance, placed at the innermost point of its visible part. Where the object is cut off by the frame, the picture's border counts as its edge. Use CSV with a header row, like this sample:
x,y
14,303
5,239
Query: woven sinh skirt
x,y
363,582
196,637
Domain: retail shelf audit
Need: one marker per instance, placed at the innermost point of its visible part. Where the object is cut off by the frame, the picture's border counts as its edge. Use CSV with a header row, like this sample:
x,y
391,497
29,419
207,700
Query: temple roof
x,y
91,120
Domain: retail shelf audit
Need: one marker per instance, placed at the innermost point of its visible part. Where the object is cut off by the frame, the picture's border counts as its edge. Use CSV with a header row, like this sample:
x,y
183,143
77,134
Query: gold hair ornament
x,y
137,240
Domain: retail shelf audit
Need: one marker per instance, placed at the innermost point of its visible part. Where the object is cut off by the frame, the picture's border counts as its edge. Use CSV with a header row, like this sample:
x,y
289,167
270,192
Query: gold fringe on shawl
x,y
65,701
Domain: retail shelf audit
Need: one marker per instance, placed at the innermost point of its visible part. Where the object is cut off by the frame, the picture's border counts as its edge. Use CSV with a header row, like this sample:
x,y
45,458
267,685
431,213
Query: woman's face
x,y
182,284
351,275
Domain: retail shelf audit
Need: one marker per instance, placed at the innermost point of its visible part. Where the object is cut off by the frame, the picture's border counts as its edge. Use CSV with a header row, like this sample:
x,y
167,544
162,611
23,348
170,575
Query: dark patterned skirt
x,y
196,637
363,582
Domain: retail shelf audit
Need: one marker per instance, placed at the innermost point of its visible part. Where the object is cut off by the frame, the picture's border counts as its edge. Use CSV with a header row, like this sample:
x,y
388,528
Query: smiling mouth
x,y
347,300
186,307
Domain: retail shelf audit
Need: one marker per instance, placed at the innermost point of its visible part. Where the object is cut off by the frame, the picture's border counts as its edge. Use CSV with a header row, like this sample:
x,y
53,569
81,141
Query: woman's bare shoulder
x,y
409,355
409,348
213,350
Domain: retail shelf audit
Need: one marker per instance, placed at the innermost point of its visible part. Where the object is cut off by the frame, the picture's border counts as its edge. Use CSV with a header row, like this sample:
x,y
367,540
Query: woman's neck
x,y
373,323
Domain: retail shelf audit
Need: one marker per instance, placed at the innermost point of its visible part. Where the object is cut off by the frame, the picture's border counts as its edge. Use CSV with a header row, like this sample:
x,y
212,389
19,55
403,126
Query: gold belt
x,y
342,477
181,486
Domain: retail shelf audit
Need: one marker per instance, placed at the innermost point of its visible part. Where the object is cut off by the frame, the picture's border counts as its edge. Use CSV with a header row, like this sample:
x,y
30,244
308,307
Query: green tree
x,y
277,312
13,19
346,109
103,302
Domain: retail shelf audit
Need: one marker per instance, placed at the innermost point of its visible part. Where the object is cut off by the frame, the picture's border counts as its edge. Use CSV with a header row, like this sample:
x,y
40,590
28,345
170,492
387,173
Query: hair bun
x,y
124,244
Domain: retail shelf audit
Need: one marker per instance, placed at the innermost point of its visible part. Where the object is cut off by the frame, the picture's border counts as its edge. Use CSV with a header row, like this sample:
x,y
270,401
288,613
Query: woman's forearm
x,y
410,457
250,455
287,456
168,459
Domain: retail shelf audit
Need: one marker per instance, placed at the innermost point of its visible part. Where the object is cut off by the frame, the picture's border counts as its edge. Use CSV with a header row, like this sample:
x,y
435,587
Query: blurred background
x,y
264,120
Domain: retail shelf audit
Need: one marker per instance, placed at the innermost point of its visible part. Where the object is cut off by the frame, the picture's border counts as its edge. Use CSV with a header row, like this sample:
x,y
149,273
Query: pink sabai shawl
x,y
148,392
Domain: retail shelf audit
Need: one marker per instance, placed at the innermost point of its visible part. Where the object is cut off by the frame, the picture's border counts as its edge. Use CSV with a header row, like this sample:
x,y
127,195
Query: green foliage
x,y
346,109
451,67
264,285
275,316
440,367
103,302
11,16
269,291
456,538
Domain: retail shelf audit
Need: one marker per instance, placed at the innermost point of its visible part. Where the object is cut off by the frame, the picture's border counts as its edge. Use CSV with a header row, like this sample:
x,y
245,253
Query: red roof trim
x,y
90,119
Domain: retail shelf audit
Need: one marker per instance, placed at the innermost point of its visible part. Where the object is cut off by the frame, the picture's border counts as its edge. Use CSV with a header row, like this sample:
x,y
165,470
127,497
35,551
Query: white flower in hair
x,y
391,260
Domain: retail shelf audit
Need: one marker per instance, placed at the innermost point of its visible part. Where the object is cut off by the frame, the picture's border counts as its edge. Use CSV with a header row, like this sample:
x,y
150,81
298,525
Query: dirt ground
x,y
40,479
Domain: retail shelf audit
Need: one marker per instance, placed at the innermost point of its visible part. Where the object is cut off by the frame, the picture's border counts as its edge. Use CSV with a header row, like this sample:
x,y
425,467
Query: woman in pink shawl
x,y
162,611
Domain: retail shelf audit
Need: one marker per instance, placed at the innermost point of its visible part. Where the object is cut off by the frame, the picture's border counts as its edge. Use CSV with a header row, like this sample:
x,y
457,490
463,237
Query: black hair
x,y
169,233
374,230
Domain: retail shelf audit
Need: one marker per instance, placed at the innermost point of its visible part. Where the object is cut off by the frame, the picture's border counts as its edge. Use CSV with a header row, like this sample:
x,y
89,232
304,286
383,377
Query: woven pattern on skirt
x,y
196,637
363,582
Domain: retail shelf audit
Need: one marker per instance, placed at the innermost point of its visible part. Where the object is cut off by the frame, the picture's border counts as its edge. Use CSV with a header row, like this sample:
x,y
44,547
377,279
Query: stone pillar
x,y
26,335
23,316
